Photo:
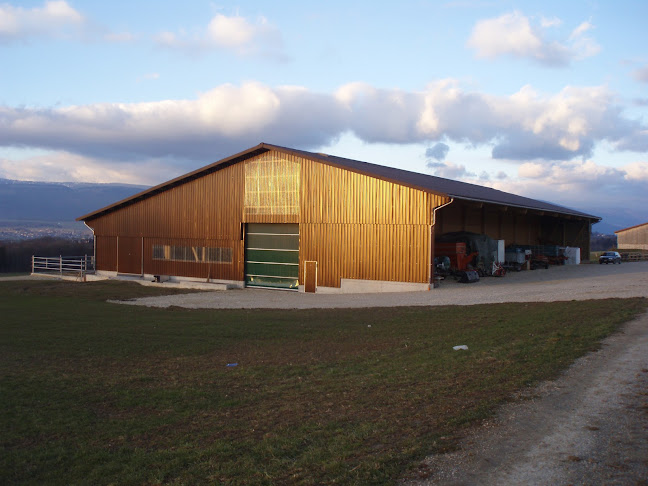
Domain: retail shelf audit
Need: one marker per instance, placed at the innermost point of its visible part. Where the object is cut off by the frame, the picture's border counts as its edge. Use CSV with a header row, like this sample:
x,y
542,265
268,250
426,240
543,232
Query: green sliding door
x,y
272,255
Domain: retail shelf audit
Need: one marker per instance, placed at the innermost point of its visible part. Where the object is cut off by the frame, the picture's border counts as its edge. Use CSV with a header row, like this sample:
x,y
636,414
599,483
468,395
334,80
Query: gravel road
x,y
568,282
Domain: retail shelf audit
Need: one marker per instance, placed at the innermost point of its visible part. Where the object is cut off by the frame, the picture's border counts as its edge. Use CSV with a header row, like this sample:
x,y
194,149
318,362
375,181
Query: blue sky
x,y
548,100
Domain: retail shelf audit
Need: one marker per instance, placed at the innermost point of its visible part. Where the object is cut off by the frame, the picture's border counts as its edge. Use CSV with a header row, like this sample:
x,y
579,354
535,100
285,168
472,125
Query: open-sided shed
x,y
272,216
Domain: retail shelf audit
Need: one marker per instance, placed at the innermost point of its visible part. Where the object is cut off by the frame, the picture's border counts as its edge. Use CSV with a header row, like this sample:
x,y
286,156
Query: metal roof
x,y
424,182
631,227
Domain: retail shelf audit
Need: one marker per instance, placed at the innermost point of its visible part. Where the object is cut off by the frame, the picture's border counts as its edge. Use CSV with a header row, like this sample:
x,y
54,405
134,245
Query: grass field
x,y
98,393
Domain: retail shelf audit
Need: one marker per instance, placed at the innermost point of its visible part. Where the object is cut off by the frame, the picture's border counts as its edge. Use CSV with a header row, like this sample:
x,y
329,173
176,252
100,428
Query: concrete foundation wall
x,y
356,286
170,281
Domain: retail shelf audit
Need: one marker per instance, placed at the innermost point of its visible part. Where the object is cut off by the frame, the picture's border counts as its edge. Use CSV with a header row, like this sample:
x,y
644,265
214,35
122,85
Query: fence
x,y
77,266
634,256
626,256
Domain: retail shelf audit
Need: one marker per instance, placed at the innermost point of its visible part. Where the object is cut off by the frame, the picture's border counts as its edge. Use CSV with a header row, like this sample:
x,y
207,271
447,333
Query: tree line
x,y
600,242
16,256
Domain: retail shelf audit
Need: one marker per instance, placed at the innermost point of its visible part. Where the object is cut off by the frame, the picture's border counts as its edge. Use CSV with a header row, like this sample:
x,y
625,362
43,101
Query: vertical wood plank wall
x,y
106,252
204,212
360,227
353,225
635,238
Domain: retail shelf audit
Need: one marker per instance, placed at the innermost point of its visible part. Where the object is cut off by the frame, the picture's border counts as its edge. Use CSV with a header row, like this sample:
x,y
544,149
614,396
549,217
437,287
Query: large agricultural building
x,y
276,217
633,238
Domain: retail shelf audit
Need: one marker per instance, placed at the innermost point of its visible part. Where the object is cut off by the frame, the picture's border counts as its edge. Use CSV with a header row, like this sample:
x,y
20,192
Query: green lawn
x,y
98,393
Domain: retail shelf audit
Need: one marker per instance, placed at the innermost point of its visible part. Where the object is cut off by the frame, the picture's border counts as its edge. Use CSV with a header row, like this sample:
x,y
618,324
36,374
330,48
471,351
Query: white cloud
x,y
235,33
636,171
586,183
513,34
69,167
527,125
550,137
571,173
524,126
641,74
635,141
615,193
580,30
378,115
55,17
509,34
583,46
553,22
449,170
533,170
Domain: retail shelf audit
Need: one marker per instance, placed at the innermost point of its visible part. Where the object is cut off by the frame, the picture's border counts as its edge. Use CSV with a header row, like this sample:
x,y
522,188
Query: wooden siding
x,y
209,207
333,195
635,238
353,225
106,253
129,254
367,251
359,227
204,212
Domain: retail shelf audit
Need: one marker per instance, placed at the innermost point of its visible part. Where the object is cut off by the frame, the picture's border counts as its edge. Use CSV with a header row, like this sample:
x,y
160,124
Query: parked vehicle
x,y
610,257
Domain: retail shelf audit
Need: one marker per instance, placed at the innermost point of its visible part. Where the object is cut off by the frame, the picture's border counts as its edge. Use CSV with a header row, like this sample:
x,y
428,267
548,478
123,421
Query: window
x,y
200,254
272,185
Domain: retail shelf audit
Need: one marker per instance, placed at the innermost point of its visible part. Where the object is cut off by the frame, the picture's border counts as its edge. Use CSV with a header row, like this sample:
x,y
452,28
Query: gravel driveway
x,y
568,282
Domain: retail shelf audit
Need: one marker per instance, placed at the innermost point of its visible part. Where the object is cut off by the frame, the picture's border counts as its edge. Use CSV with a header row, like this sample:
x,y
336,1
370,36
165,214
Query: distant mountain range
x,y
57,201
29,209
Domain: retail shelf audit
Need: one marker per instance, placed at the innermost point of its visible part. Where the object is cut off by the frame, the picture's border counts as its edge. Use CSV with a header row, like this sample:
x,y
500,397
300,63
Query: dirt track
x,y
588,427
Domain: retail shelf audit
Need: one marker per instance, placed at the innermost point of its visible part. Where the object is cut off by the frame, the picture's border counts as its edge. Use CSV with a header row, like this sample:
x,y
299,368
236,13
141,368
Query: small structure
x,y
633,238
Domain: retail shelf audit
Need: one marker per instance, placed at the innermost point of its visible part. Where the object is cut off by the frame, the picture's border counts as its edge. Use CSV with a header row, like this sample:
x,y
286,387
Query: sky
x,y
548,99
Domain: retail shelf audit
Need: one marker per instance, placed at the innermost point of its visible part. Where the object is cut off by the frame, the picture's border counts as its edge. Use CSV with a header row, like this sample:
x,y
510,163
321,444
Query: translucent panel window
x,y
201,254
271,185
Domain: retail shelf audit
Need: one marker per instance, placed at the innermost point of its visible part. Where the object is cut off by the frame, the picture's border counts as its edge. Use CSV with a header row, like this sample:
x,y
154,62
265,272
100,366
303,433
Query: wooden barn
x,y
277,217
633,238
